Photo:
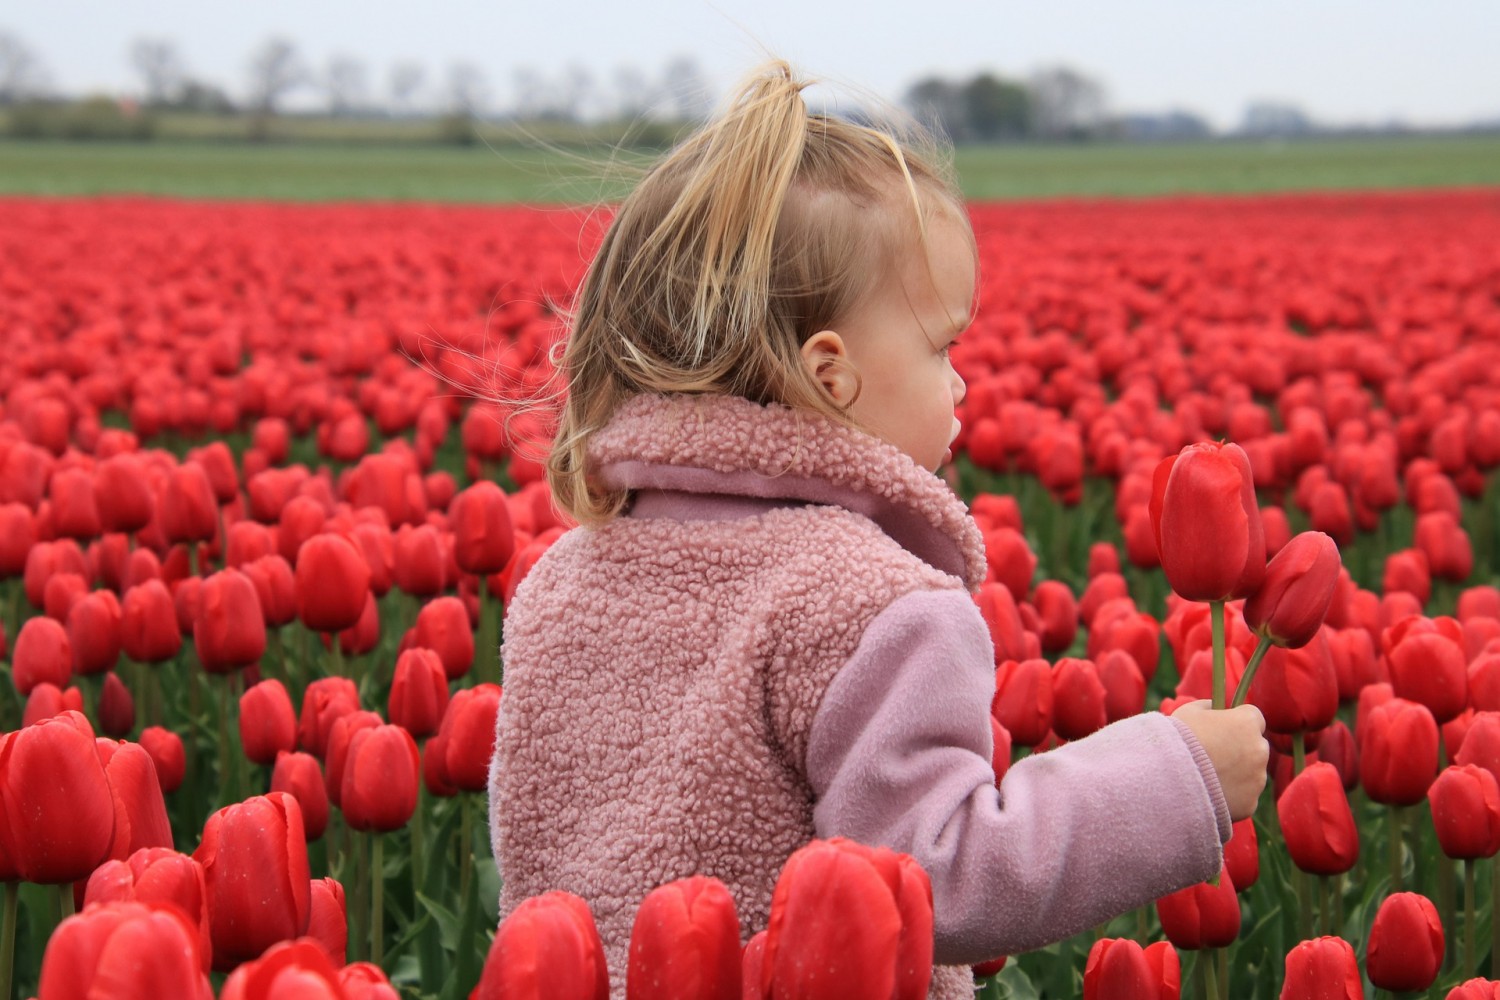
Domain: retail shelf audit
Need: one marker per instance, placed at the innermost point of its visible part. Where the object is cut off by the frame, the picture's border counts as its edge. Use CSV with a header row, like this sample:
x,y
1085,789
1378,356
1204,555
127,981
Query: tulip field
x,y
267,485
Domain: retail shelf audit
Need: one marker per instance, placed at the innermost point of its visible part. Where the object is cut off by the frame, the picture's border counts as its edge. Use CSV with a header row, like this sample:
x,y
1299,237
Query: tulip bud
x,y
812,948
1324,967
380,775
228,628
547,946
1293,600
166,750
443,626
1465,801
254,857
468,732
59,811
1405,947
329,920
1317,823
1207,523
124,950
156,876
685,944
1201,916
1116,970
268,725
332,583
148,623
1398,754
301,776
419,692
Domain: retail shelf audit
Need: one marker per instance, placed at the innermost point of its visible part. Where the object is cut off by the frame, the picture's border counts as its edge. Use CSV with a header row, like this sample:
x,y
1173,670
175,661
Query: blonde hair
x,y
747,238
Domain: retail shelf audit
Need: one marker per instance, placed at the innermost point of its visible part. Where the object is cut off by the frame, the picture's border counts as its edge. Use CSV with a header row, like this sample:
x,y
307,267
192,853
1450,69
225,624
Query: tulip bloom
x,y
140,812
254,857
1398,754
1317,822
1058,611
148,623
379,785
419,692
298,968
1201,916
1324,968
1405,947
165,748
468,731
814,950
1429,667
1293,600
74,512
116,707
301,776
1465,801
43,654
1023,700
123,494
1117,970
685,943
59,811
156,876
1078,697
228,629
328,923
418,568
326,700
483,537
1008,634
1296,689
268,725
547,946
443,626
1206,523
1242,855
124,950
1011,561
340,738
332,583
276,587
187,508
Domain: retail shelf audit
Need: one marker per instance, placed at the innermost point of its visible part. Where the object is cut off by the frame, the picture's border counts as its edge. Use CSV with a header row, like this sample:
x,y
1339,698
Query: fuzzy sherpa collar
x,y
731,445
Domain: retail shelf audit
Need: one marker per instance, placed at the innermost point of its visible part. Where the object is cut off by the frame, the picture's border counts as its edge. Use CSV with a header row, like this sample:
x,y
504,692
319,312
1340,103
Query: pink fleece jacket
x,y
777,642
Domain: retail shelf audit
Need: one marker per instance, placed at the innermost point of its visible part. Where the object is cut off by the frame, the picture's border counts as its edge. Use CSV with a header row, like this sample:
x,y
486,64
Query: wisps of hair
x,y
764,226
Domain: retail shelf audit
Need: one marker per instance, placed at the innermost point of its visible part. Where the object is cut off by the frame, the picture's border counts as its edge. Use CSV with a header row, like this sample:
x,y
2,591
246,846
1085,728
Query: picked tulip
x,y
1293,600
1206,523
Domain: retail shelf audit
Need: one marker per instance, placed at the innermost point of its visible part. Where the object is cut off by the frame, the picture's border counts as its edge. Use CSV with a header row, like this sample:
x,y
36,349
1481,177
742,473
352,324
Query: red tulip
x,y
1117,970
366,981
43,654
1475,989
123,494
443,626
276,588
468,732
1008,634
247,541
59,812
1011,561
1317,823
435,767
140,812
814,950
301,776
685,944
1101,590
17,536
116,708
1058,612
48,559
124,950
166,750
299,969
268,726
1023,701
1336,746
187,508
1293,600
254,858
378,548
228,628
419,561
1398,753
1201,916
1439,536
380,779
340,738
303,518
48,700
94,625
218,463
74,513
329,920
1124,687
62,591
1353,654
1428,667
1465,803
1078,698
364,635
156,877
390,483
333,583
1296,689
148,623
1322,969
1405,947
325,701
419,692
547,947
484,539
1207,523
1242,855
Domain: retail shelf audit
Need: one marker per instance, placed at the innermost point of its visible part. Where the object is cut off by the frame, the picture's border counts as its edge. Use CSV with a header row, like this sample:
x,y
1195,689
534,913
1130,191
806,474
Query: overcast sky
x,y
1343,61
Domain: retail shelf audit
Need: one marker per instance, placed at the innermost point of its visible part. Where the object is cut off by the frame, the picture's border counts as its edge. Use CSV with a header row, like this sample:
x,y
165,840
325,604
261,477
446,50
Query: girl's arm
x,y
899,756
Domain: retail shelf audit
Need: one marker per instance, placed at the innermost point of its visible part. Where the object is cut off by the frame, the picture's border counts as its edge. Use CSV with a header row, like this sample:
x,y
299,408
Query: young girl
x,y
762,630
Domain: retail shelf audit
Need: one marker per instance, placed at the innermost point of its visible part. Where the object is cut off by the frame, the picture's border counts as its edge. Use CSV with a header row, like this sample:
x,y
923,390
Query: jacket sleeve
x,y
899,756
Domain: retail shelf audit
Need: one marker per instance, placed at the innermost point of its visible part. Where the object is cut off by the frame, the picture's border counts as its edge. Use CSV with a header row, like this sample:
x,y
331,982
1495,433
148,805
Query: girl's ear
x,y
827,360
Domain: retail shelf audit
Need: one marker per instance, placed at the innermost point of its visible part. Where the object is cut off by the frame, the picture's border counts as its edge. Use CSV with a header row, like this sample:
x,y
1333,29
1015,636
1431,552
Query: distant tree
x,y
578,97
1065,103
199,95
22,75
406,82
995,108
345,83
160,67
276,69
467,91
686,89
939,105
1275,118
633,93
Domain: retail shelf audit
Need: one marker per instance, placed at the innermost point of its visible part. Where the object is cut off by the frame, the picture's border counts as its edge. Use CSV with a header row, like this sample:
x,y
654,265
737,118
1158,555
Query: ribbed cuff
x,y
1210,780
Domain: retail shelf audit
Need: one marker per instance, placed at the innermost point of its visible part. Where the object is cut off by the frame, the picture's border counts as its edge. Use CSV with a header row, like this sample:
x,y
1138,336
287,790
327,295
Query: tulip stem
x,y
1216,619
226,770
8,937
377,897
1394,812
1468,970
1494,924
1242,691
465,846
418,859
64,901
1206,976
1223,956
1299,752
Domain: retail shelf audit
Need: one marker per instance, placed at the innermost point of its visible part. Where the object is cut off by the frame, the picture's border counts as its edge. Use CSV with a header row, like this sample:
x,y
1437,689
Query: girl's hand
x,y
1236,744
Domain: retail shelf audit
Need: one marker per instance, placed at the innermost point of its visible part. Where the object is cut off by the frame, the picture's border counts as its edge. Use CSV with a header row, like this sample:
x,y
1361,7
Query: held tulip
x,y
1405,947
1465,801
1324,968
547,946
379,786
59,811
332,583
124,950
254,857
1292,602
1317,822
813,950
685,943
1201,916
1206,523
